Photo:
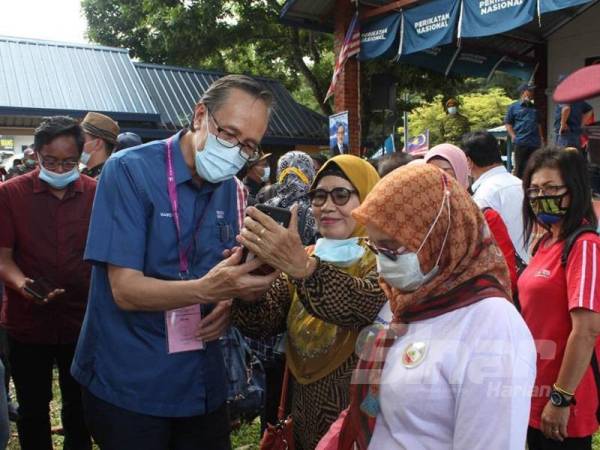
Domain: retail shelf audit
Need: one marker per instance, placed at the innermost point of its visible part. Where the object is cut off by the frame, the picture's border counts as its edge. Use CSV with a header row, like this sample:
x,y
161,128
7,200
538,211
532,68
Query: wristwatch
x,y
560,400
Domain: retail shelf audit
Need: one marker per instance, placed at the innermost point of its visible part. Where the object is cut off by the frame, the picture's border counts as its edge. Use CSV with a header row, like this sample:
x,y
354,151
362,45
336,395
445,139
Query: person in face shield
x,y
456,344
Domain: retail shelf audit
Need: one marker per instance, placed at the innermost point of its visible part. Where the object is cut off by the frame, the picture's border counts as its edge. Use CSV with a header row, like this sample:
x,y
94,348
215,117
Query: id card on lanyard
x,y
181,324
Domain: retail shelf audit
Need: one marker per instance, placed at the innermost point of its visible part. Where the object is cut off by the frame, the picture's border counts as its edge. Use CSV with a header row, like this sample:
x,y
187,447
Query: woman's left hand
x,y
554,421
275,245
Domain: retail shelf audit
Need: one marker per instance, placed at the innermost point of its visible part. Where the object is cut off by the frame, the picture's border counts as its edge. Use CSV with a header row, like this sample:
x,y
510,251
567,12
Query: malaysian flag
x,y
350,48
418,144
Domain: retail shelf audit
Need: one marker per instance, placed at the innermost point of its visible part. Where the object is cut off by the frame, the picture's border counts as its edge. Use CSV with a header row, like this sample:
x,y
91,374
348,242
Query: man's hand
x,y
51,295
231,279
214,325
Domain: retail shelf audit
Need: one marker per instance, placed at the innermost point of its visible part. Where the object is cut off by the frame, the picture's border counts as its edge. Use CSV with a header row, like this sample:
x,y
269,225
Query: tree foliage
x,y
483,109
243,36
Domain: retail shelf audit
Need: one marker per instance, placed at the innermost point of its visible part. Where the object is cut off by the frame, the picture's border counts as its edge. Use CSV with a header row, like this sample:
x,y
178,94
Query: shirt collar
x,y
486,175
41,186
182,172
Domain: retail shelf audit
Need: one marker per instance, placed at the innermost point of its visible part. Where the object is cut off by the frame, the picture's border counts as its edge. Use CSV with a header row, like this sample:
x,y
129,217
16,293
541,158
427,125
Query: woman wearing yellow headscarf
x,y
323,298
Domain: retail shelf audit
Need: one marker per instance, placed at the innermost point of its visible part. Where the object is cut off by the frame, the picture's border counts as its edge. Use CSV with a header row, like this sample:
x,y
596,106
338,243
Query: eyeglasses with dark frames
x,y
250,152
549,190
53,164
391,254
340,196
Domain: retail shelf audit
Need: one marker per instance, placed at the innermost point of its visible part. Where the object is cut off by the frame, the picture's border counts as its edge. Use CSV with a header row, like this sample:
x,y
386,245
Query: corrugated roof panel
x,y
176,90
70,77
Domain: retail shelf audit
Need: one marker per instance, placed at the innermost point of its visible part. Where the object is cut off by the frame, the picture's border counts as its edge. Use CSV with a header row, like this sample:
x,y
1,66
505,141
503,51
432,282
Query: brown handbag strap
x,y
284,391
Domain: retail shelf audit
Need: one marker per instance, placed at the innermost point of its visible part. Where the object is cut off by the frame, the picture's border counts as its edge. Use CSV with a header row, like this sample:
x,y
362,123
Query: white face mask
x,y
85,158
405,272
266,175
452,110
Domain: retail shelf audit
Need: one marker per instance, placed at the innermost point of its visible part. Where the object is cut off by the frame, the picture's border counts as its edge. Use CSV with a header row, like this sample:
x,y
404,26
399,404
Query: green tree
x,y
229,35
483,109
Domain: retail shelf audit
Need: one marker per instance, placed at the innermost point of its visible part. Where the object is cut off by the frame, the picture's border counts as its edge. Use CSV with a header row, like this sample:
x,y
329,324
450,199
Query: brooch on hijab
x,y
414,354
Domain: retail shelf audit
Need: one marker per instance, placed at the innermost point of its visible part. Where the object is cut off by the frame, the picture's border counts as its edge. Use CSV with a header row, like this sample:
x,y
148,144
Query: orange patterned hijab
x,y
404,205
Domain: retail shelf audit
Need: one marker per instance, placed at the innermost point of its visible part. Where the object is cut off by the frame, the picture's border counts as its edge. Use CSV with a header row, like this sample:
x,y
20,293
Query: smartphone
x,y
280,215
39,288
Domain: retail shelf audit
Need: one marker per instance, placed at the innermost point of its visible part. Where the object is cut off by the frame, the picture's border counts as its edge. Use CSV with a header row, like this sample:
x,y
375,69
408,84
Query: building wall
x,y
567,50
22,137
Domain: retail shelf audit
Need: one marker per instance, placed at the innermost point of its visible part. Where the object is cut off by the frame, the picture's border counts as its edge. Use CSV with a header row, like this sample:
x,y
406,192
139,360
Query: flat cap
x,y
101,126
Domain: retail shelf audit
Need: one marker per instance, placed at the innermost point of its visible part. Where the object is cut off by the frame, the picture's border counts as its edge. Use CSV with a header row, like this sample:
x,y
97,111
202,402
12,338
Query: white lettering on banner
x,y
432,23
492,6
376,35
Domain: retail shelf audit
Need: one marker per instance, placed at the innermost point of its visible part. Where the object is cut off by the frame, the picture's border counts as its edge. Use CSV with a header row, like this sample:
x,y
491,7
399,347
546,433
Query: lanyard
x,y
172,190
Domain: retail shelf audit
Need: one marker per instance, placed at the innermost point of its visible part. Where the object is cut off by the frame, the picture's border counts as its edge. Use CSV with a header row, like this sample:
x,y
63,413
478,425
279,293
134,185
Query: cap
x,y
127,139
525,87
451,101
100,126
580,85
262,158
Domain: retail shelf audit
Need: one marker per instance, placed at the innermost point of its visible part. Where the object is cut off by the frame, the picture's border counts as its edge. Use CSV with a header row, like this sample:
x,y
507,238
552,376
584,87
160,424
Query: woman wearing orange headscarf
x,y
456,368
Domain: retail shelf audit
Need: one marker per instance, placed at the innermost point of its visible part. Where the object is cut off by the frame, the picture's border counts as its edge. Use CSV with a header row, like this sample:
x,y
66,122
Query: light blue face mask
x,y
452,110
216,162
266,175
340,252
59,180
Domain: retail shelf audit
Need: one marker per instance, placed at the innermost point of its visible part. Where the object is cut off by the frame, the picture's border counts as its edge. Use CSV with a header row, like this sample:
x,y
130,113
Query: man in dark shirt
x,y
43,229
523,126
257,176
568,120
100,134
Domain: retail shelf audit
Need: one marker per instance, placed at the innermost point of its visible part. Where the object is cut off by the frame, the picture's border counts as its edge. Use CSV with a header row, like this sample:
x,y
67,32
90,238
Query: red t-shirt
x,y
47,236
548,292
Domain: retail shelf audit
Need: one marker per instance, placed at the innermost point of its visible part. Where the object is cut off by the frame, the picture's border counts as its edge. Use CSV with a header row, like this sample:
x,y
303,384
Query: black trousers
x,y
115,428
522,154
32,366
273,383
537,441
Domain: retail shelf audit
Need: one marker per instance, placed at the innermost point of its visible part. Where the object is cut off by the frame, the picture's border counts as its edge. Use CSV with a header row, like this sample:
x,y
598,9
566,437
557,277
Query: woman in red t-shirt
x,y
560,302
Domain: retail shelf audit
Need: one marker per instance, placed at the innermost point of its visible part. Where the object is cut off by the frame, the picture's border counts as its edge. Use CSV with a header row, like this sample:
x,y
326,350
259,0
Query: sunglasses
x,y
388,253
340,196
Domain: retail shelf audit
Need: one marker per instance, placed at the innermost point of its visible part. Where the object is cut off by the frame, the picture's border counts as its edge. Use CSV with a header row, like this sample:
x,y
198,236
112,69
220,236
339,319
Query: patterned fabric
x,y
294,189
331,295
404,205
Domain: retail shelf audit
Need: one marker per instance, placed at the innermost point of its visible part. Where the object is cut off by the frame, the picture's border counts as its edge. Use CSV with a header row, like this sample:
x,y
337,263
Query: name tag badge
x,y
181,326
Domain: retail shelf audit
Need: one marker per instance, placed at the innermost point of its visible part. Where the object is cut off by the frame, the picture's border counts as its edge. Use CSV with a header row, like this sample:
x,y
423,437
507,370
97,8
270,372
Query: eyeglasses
x,y
52,163
391,254
250,152
340,196
534,192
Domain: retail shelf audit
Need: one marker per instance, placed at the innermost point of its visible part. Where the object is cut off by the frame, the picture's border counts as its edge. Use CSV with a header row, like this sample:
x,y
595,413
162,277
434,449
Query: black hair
x,y
53,127
388,163
572,168
482,147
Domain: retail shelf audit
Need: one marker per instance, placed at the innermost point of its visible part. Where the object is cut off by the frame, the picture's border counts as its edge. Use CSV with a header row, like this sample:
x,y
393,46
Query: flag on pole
x,y
350,47
418,143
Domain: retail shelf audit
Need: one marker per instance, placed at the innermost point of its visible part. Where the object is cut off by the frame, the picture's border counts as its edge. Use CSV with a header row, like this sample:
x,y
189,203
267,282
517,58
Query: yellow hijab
x,y
314,347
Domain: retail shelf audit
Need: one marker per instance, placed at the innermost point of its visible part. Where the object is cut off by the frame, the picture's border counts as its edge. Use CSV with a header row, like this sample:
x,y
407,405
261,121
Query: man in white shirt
x,y
494,187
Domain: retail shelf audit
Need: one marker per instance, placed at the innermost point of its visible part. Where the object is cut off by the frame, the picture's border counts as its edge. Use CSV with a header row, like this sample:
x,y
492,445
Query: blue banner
x,y
429,25
554,5
518,69
475,63
379,38
437,59
487,17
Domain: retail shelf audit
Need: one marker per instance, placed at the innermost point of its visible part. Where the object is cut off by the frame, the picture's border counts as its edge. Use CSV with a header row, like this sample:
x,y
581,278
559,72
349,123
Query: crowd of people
x,y
424,303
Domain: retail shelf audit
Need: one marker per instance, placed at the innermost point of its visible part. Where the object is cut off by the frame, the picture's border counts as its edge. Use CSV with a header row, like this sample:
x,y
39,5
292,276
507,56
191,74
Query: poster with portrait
x,y
338,134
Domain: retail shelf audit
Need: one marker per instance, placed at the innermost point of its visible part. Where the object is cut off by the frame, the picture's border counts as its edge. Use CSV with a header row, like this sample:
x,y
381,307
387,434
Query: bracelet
x,y
562,391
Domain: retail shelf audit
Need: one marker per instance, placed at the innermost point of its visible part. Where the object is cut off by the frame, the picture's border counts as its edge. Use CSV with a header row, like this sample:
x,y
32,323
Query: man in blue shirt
x,y
165,213
568,120
523,126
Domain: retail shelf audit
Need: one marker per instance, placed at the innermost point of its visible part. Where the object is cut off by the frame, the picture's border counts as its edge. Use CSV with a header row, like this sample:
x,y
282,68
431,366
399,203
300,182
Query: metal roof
x,y
175,91
39,78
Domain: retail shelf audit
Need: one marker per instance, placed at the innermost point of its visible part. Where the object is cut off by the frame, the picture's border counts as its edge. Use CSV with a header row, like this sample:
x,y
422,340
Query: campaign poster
x,y
339,134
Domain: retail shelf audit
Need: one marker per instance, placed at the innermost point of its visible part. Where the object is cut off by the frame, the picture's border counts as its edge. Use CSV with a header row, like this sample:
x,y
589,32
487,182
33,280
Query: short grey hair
x,y
218,92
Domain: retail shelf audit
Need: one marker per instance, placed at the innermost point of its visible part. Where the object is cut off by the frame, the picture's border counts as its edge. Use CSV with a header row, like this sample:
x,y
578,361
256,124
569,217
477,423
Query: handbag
x,y
281,435
245,377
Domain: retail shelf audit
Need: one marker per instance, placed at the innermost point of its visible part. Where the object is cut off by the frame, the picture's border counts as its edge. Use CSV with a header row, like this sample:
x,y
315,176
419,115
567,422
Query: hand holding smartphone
x,y
41,290
280,215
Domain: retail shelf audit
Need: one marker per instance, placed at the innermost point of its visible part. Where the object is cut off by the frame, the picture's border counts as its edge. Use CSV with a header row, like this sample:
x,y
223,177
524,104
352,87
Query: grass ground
x,y
246,438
